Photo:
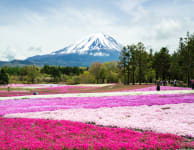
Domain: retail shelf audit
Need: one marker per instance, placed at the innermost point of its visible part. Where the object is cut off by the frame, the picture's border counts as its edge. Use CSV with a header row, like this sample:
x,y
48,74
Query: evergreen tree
x,y
186,54
142,60
4,78
123,62
133,61
162,63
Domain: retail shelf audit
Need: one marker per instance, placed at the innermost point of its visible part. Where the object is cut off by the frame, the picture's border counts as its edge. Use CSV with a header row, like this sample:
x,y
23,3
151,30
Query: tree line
x,y
135,65
138,65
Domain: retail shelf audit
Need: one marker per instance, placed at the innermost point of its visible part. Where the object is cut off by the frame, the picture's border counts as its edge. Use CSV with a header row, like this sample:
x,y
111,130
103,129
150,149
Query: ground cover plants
x,y
47,104
134,117
53,134
29,89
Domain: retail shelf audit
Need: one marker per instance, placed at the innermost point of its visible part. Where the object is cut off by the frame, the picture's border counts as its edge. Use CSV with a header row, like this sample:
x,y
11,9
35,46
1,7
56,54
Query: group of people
x,y
166,82
172,82
163,82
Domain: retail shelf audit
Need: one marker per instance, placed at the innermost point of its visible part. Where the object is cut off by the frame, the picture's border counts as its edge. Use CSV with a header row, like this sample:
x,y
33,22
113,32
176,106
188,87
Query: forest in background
x,y
135,65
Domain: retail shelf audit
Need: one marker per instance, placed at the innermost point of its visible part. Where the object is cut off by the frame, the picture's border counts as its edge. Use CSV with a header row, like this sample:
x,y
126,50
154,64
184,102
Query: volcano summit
x,y
95,48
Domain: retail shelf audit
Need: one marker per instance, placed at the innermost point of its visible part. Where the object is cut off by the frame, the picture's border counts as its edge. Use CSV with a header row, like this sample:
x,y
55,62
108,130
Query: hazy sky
x,y
29,27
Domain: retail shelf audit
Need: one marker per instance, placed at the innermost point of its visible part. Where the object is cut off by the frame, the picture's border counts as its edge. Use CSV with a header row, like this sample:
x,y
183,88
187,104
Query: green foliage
x,y
86,77
4,77
186,56
133,58
162,63
103,73
142,61
95,70
123,63
175,69
73,80
57,72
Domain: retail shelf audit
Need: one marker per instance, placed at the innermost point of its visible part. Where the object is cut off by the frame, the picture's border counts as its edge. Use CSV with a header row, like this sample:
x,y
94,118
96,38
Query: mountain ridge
x,y
93,42
95,48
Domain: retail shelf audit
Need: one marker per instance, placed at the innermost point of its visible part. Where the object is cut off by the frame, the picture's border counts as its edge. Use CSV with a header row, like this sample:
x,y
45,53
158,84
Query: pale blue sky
x,y
29,27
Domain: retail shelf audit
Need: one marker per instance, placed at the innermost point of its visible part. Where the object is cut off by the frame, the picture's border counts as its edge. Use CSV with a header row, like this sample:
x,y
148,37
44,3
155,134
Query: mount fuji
x,y
95,45
95,48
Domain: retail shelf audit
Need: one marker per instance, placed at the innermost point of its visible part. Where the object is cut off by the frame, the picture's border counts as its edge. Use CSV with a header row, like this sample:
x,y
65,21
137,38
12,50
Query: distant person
x,y
164,82
192,84
175,82
158,85
8,88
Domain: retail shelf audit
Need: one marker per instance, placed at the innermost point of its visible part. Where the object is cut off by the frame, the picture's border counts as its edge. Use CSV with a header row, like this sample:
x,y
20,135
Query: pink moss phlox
x,y
51,134
162,88
48,104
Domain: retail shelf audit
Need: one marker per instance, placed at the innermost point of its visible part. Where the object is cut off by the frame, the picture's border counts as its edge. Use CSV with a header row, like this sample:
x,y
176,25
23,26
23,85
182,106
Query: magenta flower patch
x,y
34,134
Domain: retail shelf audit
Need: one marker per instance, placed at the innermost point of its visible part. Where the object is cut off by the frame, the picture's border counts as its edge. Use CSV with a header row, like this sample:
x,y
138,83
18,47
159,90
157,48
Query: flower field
x,y
128,119
42,89
45,89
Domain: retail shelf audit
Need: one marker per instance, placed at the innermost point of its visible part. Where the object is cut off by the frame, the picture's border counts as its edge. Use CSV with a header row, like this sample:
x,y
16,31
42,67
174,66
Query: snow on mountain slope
x,y
93,45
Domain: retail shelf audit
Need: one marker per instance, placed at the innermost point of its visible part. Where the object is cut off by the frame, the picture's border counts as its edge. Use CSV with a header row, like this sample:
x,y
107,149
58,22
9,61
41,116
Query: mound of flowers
x,y
51,134
48,104
153,118
29,89
160,118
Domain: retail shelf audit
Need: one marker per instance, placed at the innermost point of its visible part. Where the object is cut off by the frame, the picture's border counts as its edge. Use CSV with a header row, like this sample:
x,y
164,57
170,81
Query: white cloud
x,y
129,5
168,26
129,22
50,32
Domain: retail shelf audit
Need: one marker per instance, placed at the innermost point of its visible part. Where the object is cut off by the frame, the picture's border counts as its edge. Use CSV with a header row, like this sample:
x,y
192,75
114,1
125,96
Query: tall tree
x,y
103,73
4,78
123,62
95,69
32,73
162,63
133,62
141,58
175,71
112,71
186,51
150,73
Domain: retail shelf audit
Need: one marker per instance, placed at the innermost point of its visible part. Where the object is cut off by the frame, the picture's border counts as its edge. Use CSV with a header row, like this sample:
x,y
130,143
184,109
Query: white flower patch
x,y
99,94
172,118
95,85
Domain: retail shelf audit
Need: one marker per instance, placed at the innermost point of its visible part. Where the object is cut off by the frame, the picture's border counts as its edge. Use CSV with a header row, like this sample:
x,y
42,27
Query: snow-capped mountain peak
x,y
92,45
95,48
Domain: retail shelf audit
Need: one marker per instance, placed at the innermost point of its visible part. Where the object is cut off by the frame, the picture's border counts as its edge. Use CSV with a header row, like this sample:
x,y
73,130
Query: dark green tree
x,y
175,71
4,77
186,53
142,60
133,62
123,62
162,63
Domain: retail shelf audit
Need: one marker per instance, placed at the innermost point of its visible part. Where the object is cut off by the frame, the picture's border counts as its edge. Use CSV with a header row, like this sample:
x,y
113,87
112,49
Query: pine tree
x,y
123,62
4,78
